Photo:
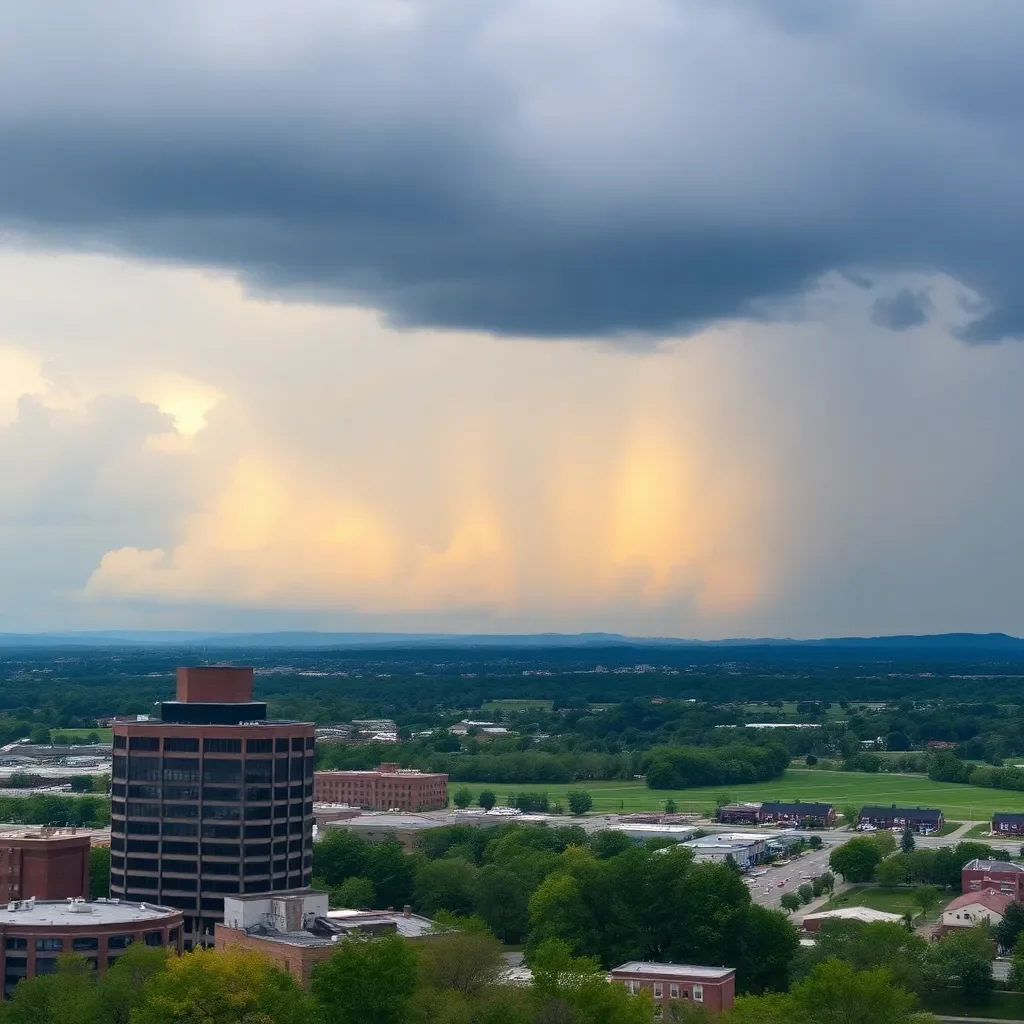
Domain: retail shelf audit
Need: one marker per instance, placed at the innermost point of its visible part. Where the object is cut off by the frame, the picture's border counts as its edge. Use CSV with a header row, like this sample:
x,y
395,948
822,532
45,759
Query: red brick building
x,y
1000,875
34,933
713,988
210,800
49,864
1008,824
385,789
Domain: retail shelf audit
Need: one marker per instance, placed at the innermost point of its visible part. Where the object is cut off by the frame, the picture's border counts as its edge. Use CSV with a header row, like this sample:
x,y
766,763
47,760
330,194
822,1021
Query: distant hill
x,y
937,643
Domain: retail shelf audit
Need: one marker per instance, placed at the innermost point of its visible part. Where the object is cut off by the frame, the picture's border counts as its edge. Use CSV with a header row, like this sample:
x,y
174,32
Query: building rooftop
x,y
1016,816
989,898
81,913
993,865
682,970
863,914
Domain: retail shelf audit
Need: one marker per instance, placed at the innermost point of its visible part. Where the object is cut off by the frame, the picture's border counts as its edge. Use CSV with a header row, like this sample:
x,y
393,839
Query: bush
x,y
486,799
463,797
580,801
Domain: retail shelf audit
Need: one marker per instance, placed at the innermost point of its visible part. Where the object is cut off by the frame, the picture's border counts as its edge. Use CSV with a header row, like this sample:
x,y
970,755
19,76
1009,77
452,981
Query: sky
x,y
691,318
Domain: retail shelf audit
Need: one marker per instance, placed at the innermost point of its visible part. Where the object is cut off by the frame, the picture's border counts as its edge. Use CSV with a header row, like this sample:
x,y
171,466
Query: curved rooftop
x,y
81,913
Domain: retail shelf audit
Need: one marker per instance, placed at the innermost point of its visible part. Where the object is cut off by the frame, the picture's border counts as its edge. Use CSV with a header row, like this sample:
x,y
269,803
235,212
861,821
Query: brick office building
x,y
34,933
713,988
47,863
1001,875
210,800
386,788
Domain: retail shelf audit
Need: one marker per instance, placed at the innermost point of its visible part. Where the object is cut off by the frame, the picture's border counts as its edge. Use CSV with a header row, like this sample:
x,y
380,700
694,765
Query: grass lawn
x,y
81,735
512,706
1002,1006
891,901
979,831
950,826
956,800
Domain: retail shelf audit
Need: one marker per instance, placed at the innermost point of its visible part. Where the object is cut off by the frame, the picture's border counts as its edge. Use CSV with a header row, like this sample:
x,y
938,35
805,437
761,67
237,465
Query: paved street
x,y
766,890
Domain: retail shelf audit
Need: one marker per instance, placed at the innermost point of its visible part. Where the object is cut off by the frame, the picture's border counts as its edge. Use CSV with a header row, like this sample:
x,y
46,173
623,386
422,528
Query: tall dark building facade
x,y
210,800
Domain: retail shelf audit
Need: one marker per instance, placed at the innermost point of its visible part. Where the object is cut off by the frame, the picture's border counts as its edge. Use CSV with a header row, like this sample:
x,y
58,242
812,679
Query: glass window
x,y
143,864
140,810
154,939
84,943
658,990
172,936
179,828
281,746
673,992
259,746
178,867
222,746
310,742
46,965
259,770
120,766
183,744
179,885
144,792
120,742
298,743
698,993
181,792
211,831
51,945
222,771
143,846
181,769
173,846
16,943
221,793
144,769
144,743
222,812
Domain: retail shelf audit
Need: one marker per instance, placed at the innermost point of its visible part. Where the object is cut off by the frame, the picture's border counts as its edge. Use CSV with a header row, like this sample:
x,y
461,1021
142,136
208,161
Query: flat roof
x,y
101,911
866,914
992,865
412,926
689,970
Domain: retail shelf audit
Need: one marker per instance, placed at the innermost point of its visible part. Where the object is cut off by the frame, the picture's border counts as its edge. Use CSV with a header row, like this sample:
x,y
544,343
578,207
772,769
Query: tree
x,y
486,799
806,892
851,815
368,981
890,872
463,797
810,760
925,896
81,784
610,843
762,948
67,997
122,987
1015,982
836,992
815,842
885,841
500,898
1012,925
790,901
580,801
464,961
670,806
99,872
907,842
964,962
223,987
828,881
856,860
447,884
355,892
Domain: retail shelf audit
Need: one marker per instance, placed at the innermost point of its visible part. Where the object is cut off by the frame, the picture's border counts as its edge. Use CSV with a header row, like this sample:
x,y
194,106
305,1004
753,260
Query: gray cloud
x,y
522,167
901,311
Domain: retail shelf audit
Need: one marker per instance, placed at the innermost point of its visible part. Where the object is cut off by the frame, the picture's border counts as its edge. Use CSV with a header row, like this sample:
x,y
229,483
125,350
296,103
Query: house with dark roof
x,y
920,819
1008,824
811,815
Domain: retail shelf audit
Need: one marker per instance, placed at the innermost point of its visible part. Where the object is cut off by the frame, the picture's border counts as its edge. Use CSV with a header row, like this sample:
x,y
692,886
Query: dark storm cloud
x,y
901,311
524,167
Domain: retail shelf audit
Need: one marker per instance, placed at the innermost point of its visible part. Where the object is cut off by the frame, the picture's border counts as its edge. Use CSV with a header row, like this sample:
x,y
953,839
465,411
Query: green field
x,y
958,802
890,901
512,706
81,735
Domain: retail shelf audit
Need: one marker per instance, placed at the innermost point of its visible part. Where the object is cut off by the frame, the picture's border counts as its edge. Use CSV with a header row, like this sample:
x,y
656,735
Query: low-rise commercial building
x,y
296,930
387,788
712,988
744,850
45,863
1002,875
973,908
920,819
34,933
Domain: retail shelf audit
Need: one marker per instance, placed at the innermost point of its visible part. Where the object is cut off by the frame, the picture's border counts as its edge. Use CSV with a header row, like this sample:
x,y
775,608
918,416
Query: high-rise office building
x,y
210,800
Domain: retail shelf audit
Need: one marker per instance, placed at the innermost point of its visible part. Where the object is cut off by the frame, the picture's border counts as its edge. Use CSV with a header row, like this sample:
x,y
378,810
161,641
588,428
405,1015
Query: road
x,y
766,890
